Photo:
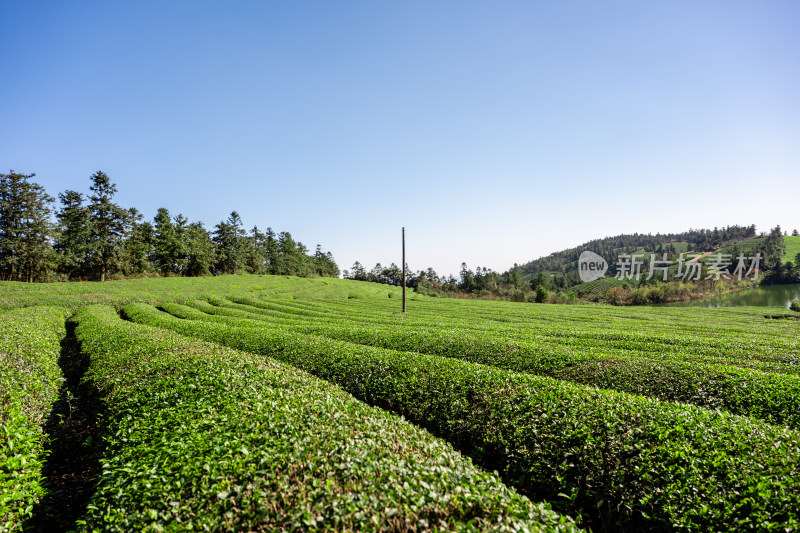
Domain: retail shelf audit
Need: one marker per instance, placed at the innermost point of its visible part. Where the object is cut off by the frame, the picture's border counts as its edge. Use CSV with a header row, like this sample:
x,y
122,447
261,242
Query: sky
x,y
494,132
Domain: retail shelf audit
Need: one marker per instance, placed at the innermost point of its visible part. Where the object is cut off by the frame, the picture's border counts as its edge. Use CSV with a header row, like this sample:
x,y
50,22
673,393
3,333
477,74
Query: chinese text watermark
x,y
687,267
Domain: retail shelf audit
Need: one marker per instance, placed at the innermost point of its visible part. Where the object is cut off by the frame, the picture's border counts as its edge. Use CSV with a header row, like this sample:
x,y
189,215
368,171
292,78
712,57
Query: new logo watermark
x,y
687,267
591,266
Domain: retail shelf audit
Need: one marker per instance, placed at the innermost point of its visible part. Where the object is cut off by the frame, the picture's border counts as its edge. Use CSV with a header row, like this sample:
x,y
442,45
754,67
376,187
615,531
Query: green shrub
x,y
541,295
656,295
639,296
518,295
795,306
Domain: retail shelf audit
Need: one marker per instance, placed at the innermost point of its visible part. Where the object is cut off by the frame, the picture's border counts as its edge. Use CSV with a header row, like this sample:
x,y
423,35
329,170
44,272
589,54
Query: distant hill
x,y
695,240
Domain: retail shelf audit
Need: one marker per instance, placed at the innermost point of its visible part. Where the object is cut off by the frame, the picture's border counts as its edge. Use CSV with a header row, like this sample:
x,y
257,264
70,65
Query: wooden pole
x,y
404,269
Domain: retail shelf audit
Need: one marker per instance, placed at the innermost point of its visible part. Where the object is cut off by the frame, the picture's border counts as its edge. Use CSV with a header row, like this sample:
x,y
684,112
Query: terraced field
x,y
271,403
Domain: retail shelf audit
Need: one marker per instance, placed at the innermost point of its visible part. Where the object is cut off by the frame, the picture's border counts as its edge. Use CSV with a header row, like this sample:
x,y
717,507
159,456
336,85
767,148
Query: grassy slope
x,y
77,294
792,248
153,291
744,244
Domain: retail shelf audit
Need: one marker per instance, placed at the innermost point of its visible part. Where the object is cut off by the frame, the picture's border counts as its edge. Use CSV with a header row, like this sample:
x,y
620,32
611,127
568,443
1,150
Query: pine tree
x,y
467,283
374,275
255,252
323,263
229,239
514,278
72,241
358,272
165,243
271,252
107,227
289,261
181,252
774,249
25,228
137,249
200,249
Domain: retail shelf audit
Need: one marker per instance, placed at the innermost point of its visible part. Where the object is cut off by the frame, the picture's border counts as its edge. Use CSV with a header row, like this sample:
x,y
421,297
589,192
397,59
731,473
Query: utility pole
x,y
404,269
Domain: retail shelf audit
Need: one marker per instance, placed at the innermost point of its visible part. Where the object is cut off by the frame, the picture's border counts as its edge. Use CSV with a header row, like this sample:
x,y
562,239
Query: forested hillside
x,y
610,247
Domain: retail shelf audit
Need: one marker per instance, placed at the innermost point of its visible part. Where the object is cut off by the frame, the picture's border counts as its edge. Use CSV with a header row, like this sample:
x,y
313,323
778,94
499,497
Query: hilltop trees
x,y
264,253
481,282
267,253
180,247
391,275
291,257
357,272
95,238
323,263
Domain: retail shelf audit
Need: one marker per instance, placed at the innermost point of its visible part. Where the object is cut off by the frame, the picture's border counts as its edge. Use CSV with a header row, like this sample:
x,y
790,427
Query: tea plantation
x,y
265,403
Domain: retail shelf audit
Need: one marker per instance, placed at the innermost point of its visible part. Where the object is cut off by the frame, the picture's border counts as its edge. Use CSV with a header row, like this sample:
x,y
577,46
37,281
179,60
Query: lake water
x,y
767,296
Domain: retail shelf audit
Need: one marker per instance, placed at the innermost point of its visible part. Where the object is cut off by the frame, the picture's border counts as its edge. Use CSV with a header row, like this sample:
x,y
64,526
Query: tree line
x,y
90,237
482,282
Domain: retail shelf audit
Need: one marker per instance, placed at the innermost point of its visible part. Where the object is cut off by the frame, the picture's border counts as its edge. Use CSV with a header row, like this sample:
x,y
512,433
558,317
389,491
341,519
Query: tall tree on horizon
x,y
107,226
166,243
271,251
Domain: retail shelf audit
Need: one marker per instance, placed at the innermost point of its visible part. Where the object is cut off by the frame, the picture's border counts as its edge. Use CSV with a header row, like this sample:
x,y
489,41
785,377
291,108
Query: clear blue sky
x,y
495,132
